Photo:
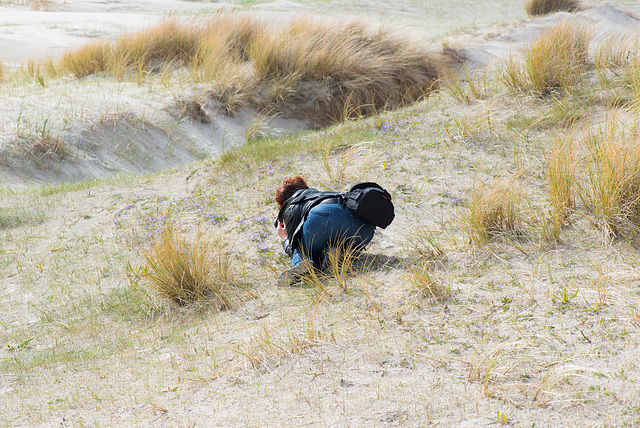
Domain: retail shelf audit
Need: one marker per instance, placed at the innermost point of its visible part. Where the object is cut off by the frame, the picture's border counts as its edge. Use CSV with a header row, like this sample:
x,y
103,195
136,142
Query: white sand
x,y
188,369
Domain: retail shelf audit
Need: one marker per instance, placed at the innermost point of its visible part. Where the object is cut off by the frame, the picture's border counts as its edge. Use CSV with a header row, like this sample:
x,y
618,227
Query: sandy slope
x,y
101,142
370,365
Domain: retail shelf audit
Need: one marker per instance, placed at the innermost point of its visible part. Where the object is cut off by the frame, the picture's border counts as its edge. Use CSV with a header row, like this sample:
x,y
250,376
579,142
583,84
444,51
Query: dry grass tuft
x,y
612,190
358,69
86,60
193,109
617,63
493,210
545,7
47,146
556,60
167,43
189,271
425,282
426,245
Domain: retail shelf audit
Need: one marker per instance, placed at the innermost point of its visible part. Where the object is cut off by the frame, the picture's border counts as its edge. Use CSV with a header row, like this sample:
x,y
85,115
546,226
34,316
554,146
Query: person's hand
x,y
282,230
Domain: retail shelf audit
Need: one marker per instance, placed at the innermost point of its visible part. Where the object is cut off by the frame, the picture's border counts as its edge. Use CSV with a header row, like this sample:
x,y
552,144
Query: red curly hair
x,y
289,186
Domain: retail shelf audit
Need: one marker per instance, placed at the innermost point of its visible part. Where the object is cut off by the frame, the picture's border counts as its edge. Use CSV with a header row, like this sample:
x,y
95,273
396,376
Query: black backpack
x,y
371,202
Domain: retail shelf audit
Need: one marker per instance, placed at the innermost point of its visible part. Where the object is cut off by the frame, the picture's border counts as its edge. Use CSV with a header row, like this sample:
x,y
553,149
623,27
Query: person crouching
x,y
312,221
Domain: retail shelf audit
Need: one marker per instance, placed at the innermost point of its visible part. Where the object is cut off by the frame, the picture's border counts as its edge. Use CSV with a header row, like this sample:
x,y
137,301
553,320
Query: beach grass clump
x,y
612,186
187,271
493,210
169,42
617,64
86,60
359,69
47,145
321,70
545,7
340,264
223,46
611,56
631,71
556,60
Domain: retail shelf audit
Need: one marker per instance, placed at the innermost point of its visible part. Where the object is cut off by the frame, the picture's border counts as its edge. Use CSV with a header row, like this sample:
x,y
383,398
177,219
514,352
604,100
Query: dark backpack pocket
x,y
371,202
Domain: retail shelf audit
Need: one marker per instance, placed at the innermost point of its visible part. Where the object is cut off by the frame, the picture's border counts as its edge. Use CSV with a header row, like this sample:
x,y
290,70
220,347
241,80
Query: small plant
x,y
612,59
493,210
44,143
188,271
466,87
545,7
256,129
34,70
336,165
501,418
487,367
193,109
564,296
424,282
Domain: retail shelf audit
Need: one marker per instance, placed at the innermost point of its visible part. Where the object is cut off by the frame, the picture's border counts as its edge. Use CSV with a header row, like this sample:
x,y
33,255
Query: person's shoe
x,y
294,275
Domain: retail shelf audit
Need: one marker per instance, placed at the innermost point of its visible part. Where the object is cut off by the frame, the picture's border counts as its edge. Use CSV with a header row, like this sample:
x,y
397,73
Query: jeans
x,y
331,225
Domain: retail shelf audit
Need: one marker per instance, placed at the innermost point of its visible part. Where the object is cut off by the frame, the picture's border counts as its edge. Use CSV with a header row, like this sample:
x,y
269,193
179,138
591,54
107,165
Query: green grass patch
x,y
275,147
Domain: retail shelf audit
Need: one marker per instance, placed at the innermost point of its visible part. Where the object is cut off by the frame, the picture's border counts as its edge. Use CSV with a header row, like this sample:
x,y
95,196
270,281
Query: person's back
x,y
310,222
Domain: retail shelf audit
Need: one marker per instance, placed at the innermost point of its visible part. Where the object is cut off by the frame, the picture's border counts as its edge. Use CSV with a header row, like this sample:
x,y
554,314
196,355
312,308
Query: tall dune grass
x,y
617,65
168,42
329,70
556,60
